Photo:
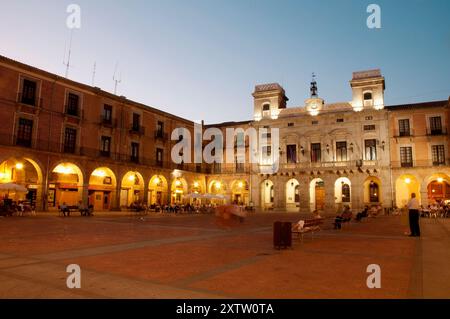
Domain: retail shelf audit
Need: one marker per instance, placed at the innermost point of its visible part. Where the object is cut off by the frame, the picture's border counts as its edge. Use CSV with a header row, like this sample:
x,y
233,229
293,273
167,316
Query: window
x,y
374,195
291,153
370,127
267,151
28,92
369,118
370,147
135,152
341,151
159,156
345,193
240,139
316,152
266,110
368,99
290,124
239,165
403,127
24,132
297,194
72,104
367,96
339,120
438,154
406,156
136,122
107,114
70,140
435,125
315,122
159,129
106,146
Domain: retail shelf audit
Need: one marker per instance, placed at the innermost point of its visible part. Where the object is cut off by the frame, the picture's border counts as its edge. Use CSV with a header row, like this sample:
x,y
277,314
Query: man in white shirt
x,y
413,207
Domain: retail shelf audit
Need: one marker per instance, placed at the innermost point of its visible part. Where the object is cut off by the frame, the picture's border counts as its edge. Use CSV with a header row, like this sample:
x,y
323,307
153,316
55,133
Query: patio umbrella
x,y
12,187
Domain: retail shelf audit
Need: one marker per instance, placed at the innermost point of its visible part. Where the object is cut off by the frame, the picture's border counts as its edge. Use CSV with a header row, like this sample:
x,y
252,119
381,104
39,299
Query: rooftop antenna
x,y
93,73
67,64
115,79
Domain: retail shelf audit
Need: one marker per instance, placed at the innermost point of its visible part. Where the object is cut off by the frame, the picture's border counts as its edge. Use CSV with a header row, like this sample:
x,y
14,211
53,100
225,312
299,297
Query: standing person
x,y
413,207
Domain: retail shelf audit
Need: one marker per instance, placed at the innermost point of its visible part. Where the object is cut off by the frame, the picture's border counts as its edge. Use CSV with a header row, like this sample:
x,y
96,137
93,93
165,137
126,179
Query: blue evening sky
x,y
200,59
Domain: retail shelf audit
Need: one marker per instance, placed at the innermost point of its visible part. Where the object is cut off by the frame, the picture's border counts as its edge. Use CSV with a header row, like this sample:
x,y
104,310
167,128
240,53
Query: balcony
x,y
28,105
111,123
437,131
104,153
134,159
23,142
72,111
137,129
160,135
405,133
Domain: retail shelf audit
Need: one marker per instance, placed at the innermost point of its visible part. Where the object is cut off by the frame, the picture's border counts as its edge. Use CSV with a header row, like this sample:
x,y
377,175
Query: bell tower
x,y
268,100
314,104
367,90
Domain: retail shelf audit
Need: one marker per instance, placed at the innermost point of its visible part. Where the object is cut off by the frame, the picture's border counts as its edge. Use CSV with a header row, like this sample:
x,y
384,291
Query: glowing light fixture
x,y
240,184
19,166
131,178
62,169
2,175
99,173
218,185
156,180
440,179
177,183
195,184
407,180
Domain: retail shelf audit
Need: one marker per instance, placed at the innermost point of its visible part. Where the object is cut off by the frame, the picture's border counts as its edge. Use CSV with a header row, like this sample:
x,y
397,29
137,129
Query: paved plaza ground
x,y
160,256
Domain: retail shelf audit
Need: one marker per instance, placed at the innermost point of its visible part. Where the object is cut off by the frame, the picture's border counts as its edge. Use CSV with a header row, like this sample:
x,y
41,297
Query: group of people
x,y
346,215
81,207
8,207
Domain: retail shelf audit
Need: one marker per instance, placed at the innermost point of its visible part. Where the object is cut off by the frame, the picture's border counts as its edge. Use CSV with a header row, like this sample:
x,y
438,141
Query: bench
x,y
310,226
71,208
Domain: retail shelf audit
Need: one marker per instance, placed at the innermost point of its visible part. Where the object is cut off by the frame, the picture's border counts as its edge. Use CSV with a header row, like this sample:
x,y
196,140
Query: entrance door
x,y
320,197
158,198
124,197
237,198
98,201
106,200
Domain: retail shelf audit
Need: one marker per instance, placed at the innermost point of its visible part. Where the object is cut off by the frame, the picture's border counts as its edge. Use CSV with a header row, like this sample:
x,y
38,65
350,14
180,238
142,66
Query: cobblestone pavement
x,y
160,256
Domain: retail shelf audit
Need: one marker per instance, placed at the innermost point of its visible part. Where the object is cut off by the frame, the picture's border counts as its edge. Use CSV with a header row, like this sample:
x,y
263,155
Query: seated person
x,y
362,214
65,209
316,214
346,216
298,225
82,208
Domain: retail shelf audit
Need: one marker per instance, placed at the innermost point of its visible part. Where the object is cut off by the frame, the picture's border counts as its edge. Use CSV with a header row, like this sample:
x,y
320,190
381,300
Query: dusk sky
x,y
200,59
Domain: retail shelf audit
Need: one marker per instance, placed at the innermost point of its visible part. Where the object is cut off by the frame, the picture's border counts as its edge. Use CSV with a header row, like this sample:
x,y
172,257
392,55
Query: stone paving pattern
x,y
160,256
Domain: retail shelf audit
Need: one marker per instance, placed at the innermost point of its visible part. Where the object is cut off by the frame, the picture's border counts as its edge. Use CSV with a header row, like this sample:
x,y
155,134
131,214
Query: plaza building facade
x,y
69,142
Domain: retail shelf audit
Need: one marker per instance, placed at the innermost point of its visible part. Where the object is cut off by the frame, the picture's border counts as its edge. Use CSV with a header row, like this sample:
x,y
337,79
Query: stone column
x,y
424,198
146,199
330,202
279,193
304,194
84,194
116,202
357,193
